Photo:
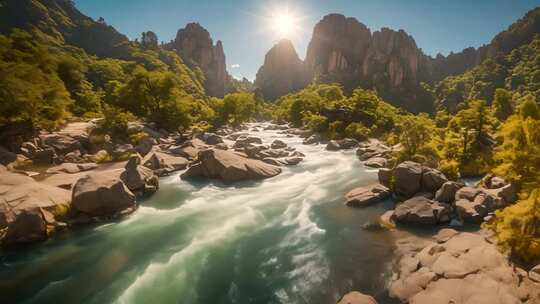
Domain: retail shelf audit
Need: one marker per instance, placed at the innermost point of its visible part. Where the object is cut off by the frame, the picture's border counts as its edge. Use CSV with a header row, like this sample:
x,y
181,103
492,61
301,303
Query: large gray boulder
x,y
189,149
101,194
385,176
210,138
229,167
432,179
139,179
420,210
407,179
244,141
376,162
163,163
278,144
364,196
447,192
355,297
313,139
62,144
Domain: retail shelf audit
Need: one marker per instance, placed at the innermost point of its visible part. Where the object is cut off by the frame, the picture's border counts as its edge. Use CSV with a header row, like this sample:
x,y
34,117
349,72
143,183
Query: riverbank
x,y
285,239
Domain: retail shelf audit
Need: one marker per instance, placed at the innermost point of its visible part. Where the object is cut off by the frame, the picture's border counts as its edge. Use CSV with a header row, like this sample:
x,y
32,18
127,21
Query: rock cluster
x,y
461,268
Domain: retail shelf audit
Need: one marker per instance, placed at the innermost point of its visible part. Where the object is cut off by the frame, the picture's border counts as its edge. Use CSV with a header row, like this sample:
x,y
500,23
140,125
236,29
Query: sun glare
x,y
284,23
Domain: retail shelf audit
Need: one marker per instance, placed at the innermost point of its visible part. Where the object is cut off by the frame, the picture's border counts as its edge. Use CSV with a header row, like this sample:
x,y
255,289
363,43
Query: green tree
x,y
502,104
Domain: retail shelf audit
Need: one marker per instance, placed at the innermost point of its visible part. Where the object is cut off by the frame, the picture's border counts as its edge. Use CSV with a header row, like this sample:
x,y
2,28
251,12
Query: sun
x,y
284,23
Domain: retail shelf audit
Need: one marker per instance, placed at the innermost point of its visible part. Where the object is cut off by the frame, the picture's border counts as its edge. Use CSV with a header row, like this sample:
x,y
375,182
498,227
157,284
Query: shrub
x,y
316,123
357,131
517,228
336,129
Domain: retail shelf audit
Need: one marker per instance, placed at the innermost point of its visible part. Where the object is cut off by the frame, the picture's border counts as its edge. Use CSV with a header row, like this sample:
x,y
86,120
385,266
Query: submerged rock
x,y
229,167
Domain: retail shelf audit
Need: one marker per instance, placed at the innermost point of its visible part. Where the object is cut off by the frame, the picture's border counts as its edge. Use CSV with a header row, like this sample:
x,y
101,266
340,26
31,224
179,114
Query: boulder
x,y
376,162
333,145
432,179
385,176
534,273
507,194
7,157
420,210
29,225
101,194
73,157
71,168
26,206
139,179
356,297
145,145
407,179
364,196
210,138
62,144
347,143
222,146
313,139
229,167
243,141
189,149
44,156
278,144
496,183
163,163
447,192
468,193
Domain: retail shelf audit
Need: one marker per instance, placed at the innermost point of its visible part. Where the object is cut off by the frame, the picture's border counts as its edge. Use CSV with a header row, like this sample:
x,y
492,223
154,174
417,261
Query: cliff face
x,y
344,50
196,47
338,44
282,72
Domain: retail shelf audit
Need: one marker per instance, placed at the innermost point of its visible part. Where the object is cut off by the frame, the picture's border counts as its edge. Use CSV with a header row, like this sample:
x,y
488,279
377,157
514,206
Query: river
x,y
288,239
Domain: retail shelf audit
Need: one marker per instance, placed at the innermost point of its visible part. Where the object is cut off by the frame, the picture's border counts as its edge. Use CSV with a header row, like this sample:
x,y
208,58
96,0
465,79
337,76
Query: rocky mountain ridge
x,y
194,44
345,51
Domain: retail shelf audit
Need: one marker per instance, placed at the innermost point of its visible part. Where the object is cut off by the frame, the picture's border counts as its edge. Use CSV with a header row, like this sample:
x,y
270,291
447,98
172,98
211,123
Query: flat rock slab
x,y
229,167
364,196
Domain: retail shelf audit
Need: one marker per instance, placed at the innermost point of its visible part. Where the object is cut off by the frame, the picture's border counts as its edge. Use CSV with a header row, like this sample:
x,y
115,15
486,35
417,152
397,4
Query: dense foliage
x,y
518,73
325,109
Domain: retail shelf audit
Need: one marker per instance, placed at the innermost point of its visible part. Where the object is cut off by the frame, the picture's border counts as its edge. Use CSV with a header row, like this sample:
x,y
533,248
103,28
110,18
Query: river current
x,y
288,239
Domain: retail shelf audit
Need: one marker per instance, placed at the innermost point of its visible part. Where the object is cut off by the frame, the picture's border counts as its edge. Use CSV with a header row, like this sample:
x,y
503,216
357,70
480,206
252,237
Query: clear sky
x,y
249,28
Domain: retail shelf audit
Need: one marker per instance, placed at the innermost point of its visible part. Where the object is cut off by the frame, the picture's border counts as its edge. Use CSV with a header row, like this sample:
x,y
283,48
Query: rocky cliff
x,y
196,47
344,50
282,72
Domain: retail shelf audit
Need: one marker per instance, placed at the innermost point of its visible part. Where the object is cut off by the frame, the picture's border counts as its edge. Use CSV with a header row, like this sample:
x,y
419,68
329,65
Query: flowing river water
x,y
288,239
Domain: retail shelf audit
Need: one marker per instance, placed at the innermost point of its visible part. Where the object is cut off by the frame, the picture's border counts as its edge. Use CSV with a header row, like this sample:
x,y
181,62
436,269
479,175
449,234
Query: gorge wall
x,y
345,51
194,44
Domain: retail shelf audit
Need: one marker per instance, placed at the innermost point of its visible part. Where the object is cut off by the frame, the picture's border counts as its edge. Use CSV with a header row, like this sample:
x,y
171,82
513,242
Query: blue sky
x,y
248,31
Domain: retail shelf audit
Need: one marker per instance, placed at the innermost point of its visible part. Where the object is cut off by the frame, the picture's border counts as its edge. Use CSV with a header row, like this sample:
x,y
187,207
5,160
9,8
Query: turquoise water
x,y
288,239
